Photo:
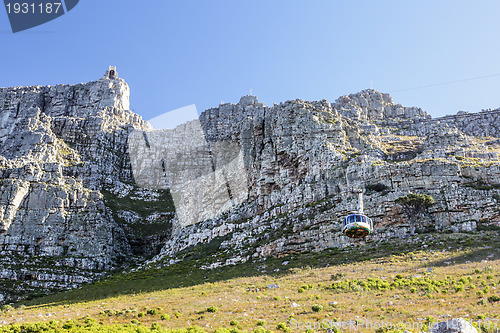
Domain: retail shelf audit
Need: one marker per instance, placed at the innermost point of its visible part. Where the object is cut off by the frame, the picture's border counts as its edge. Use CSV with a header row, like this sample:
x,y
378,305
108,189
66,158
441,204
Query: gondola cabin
x,y
357,226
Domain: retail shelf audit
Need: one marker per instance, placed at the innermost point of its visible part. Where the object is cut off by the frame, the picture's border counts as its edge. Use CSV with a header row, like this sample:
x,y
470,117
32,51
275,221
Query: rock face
x,y
71,209
62,149
370,105
303,158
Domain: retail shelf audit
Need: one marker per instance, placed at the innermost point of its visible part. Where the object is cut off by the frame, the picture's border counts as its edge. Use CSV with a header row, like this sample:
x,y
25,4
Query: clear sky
x,y
177,53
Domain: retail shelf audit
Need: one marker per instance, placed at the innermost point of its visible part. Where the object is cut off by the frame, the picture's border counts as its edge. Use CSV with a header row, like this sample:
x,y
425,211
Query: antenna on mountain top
x,y
251,92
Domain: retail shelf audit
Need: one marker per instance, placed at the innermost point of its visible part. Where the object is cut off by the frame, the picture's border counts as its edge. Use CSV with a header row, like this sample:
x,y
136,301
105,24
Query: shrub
x,y
212,309
152,312
261,330
493,299
69,325
337,276
89,321
464,280
282,327
7,308
413,290
429,320
317,308
261,322
141,314
165,317
222,330
233,322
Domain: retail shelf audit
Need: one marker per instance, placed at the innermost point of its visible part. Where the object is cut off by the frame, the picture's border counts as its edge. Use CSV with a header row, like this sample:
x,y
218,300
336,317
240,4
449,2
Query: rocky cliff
x,y
71,207
302,159
64,172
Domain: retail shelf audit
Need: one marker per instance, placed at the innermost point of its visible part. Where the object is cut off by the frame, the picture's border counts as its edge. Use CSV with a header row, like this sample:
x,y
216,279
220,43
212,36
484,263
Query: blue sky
x,y
177,53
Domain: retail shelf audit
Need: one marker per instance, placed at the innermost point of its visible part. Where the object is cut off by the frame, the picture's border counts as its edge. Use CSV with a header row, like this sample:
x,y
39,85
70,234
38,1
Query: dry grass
x,y
397,144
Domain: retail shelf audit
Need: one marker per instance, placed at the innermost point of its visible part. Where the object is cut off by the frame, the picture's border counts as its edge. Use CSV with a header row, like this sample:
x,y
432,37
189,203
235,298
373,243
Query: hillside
x,y
443,276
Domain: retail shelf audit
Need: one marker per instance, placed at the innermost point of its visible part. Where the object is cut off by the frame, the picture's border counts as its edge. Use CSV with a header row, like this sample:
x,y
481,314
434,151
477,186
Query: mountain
x,y
83,193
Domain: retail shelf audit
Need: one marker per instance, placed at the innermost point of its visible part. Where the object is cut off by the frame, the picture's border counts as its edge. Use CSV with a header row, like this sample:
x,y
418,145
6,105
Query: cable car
x,y
357,225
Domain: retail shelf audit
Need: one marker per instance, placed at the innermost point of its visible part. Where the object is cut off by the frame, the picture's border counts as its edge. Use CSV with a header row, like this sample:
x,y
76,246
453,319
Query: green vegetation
x,y
212,309
317,308
414,205
493,299
480,184
89,327
144,208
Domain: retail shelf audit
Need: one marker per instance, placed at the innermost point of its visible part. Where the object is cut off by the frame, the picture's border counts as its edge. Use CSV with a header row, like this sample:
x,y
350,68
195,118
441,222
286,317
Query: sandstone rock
x,y
60,146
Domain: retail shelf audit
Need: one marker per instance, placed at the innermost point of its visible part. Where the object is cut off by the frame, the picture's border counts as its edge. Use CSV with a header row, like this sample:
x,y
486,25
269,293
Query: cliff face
x,y
303,158
72,205
62,149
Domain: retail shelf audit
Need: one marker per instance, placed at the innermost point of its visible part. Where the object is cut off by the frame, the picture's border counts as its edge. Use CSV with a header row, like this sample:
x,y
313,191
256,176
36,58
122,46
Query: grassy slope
x,y
376,282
